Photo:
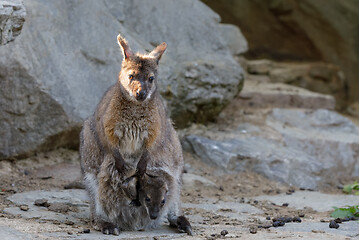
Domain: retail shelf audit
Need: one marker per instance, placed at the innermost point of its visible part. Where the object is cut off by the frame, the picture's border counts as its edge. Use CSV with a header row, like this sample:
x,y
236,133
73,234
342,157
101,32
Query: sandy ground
x,y
54,170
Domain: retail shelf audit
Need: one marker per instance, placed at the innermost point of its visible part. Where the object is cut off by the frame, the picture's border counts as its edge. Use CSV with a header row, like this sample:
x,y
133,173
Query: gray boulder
x,y
304,148
12,18
235,39
56,72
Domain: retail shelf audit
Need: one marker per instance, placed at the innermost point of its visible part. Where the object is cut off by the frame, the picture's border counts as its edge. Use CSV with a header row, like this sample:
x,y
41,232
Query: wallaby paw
x,y
184,225
109,228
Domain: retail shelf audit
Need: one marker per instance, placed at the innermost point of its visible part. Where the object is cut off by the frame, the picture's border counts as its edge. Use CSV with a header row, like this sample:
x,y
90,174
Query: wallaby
x,y
154,198
155,192
128,132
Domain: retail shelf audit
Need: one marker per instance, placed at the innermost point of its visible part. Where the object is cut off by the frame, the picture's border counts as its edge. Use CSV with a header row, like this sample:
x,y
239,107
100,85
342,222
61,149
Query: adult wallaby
x,y
128,132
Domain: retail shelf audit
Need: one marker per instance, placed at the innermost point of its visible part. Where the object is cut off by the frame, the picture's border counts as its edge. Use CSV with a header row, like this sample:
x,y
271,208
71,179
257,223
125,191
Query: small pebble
x,y
86,230
255,202
338,220
285,204
24,208
282,219
42,202
268,218
333,224
224,232
253,229
59,207
68,222
276,224
69,233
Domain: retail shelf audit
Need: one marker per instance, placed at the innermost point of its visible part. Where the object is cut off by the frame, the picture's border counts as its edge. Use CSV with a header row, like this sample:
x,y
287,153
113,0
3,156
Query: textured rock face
x,y
303,147
288,29
54,75
12,18
315,76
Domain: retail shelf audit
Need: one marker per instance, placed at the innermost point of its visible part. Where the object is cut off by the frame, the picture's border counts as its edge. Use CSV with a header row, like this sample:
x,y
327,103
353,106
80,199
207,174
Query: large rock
x,y
256,94
54,75
299,30
12,18
296,146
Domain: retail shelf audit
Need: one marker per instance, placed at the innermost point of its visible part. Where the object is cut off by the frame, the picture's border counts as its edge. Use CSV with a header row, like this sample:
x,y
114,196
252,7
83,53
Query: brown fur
x,y
128,131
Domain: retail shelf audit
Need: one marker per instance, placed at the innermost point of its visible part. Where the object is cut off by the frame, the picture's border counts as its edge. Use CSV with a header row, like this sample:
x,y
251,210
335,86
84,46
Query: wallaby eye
x,y
130,76
151,78
163,201
147,199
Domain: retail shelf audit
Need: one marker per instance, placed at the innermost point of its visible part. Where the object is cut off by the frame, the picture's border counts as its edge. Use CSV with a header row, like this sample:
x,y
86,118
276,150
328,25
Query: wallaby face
x,y
138,74
153,194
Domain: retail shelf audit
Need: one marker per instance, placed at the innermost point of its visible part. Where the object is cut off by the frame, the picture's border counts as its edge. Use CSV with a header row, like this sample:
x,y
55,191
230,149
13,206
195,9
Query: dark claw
x,y
184,225
109,228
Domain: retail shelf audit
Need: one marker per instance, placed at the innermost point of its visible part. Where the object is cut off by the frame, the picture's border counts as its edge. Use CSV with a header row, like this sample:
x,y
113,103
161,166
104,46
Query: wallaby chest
x,y
132,136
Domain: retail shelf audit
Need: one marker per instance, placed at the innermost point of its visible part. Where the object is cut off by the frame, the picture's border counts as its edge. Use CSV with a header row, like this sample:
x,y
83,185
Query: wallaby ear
x,y
126,50
158,51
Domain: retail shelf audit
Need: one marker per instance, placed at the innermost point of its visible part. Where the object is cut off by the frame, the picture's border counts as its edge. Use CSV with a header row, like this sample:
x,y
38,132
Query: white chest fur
x,y
132,136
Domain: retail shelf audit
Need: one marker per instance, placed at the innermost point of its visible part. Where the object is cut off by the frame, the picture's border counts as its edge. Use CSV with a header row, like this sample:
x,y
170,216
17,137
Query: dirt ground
x,y
56,169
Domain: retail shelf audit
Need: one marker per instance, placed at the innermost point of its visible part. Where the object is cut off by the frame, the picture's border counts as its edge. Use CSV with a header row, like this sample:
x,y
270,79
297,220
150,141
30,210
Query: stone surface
x,y
292,30
257,94
262,66
348,229
7,233
298,147
75,200
54,75
191,180
318,77
353,109
164,232
12,18
235,39
232,210
208,216
320,202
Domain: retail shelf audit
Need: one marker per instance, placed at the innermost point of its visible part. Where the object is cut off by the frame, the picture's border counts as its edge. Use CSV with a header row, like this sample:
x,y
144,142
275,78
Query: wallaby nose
x,y
154,215
141,95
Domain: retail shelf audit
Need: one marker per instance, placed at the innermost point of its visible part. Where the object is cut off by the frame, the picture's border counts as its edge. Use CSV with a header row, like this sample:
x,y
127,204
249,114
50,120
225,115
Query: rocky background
x,y
57,70
263,95
321,30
